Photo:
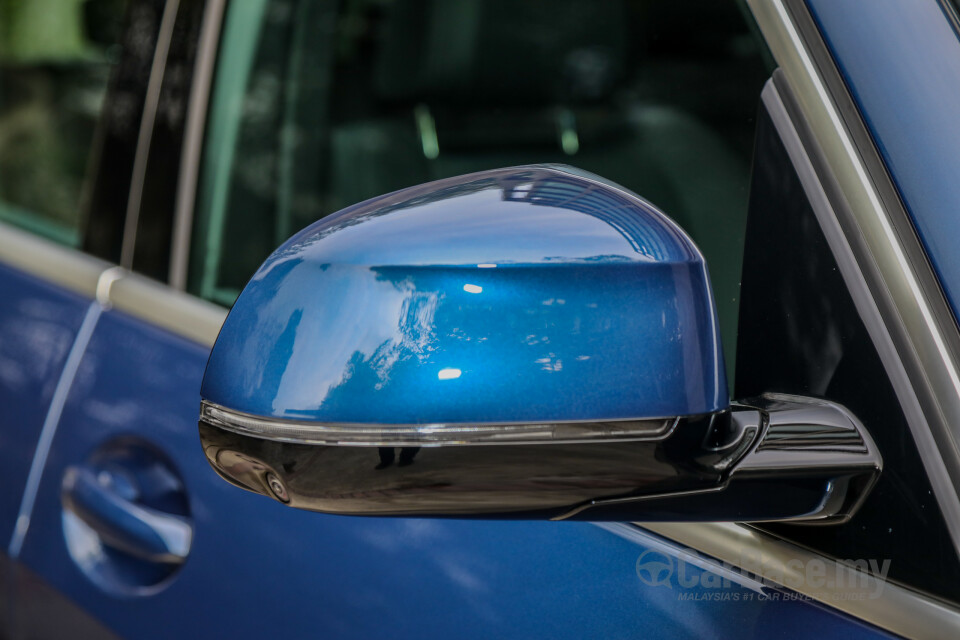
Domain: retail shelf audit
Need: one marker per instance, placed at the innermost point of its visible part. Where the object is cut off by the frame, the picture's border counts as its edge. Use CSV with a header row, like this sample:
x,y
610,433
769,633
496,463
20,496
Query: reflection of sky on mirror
x,y
494,223
375,323
432,233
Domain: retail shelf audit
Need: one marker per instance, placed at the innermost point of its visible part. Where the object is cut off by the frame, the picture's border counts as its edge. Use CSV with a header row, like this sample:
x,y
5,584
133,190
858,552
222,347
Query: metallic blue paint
x,y
901,62
524,294
127,516
38,323
258,569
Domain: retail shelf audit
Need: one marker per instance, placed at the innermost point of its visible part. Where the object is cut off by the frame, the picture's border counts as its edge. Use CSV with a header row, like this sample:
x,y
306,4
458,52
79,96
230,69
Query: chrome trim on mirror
x,y
760,555
434,435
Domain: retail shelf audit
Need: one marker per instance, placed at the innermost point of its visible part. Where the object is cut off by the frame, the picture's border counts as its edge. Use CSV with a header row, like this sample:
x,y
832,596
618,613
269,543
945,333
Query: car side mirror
x,y
532,342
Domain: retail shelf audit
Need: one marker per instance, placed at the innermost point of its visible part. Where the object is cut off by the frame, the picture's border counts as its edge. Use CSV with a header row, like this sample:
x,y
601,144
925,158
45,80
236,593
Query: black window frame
x,y
802,333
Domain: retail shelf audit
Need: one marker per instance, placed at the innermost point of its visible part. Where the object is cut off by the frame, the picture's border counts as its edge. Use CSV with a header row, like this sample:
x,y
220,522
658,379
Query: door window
x,y
55,60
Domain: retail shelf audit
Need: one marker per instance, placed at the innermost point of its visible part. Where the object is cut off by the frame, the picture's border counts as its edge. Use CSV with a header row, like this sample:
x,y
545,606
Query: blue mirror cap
x,y
528,294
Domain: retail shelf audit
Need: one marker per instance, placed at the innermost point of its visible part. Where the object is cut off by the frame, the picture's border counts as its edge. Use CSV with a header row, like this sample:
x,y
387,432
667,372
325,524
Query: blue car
x,y
479,318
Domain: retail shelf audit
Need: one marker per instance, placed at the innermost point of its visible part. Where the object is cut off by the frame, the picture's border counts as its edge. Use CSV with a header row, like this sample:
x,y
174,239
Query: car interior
x,y
344,102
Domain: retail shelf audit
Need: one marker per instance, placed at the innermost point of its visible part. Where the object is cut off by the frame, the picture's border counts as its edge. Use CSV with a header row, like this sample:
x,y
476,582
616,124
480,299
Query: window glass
x,y
55,60
320,104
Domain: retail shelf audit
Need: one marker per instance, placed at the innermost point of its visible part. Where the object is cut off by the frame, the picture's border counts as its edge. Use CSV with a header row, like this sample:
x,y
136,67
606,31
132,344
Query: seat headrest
x,y
501,52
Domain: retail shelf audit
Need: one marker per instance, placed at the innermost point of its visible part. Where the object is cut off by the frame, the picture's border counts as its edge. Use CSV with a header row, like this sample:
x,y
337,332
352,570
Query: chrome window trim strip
x,y
145,135
44,259
872,318
893,608
178,312
925,340
658,542
112,286
921,335
193,142
866,305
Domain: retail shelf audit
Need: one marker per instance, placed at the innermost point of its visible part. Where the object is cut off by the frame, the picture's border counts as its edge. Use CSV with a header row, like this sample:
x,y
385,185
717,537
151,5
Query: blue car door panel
x,y
38,324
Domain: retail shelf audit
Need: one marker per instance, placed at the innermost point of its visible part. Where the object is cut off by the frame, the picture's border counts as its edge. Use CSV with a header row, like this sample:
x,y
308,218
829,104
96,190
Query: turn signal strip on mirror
x,y
774,458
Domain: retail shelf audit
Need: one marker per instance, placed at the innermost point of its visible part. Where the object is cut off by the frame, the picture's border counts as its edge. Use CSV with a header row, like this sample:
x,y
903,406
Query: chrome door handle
x,y
133,528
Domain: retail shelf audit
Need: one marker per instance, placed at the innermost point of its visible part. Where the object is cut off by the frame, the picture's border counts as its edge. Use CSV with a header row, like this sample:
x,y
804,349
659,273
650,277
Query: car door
x,y
53,79
130,526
